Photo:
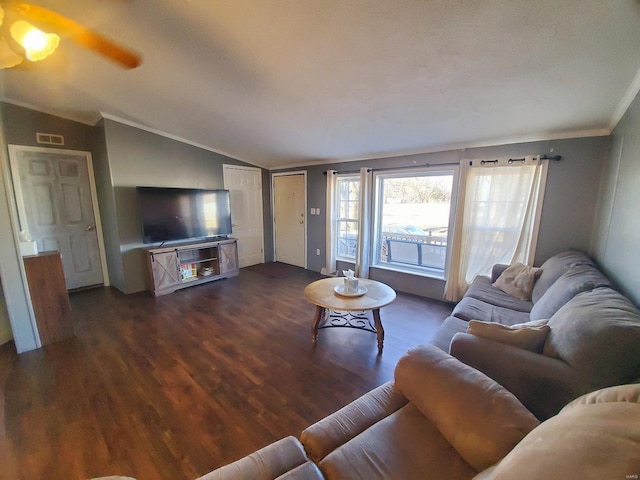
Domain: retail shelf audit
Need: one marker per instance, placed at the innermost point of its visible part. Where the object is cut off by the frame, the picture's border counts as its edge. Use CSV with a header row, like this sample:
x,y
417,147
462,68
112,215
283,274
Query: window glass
x,y
348,208
413,218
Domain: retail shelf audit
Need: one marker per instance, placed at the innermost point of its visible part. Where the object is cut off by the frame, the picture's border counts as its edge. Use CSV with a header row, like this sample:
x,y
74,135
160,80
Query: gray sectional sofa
x,y
593,341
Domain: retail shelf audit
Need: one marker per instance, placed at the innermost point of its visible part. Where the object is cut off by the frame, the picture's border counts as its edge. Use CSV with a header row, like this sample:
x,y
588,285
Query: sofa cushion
x,y
577,279
556,266
527,336
267,463
597,333
482,289
590,441
470,308
481,419
329,433
405,445
446,331
518,280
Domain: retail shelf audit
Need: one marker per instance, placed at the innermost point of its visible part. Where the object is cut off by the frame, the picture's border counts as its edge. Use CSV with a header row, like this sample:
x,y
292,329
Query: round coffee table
x,y
322,294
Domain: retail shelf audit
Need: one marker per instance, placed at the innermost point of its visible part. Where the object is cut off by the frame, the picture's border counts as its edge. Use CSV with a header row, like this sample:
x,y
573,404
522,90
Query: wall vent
x,y
49,139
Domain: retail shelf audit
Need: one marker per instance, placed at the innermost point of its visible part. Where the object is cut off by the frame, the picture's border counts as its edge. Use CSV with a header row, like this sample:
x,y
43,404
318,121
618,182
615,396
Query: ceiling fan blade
x,y
65,27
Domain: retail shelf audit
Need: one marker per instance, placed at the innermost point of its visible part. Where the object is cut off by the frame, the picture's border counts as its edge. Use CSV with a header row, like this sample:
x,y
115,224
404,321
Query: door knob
x,y
88,228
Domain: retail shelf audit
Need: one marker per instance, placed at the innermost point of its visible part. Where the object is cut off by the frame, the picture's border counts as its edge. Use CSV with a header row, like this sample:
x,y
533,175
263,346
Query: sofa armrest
x,y
497,270
323,437
268,463
543,384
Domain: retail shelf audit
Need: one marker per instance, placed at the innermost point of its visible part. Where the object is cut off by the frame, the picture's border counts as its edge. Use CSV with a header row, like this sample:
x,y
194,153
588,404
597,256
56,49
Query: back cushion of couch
x,y
480,418
577,279
556,266
589,441
597,333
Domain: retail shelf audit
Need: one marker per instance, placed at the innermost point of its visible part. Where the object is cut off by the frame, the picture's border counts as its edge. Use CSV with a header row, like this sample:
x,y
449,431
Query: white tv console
x,y
184,265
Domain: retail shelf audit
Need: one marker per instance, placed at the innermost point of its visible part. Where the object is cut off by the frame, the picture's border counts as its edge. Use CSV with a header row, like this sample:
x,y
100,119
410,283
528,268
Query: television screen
x,y
183,213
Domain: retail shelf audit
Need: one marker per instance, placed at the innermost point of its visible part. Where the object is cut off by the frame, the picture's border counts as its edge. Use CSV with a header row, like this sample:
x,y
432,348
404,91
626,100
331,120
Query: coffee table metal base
x,y
325,318
337,318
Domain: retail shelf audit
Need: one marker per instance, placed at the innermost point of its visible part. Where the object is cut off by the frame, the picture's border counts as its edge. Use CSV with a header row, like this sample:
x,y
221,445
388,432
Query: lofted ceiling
x,y
290,82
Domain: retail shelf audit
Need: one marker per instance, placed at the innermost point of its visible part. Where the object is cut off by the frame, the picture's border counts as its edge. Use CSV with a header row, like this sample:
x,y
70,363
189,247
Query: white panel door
x,y
245,187
289,198
56,208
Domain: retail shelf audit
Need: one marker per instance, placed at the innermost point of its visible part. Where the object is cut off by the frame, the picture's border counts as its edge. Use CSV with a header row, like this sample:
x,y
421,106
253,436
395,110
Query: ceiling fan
x,y
33,33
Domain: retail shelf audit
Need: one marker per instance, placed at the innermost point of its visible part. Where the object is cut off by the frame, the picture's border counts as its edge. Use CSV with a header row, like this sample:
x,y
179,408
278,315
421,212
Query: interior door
x,y
245,187
289,198
55,204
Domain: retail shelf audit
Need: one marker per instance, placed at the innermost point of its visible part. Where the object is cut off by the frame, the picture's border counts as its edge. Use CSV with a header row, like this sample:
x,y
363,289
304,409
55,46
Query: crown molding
x,y
626,101
598,132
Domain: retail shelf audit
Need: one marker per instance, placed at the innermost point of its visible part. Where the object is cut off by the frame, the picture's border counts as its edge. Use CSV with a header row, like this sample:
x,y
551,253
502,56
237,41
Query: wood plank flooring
x,y
175,386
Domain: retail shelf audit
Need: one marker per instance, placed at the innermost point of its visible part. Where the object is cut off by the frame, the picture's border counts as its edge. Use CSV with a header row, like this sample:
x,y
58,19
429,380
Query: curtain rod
x,y
555,158
511,161
397,168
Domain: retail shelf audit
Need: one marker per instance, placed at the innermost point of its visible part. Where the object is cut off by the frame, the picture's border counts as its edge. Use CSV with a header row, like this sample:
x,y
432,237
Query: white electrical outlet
x,y
317,251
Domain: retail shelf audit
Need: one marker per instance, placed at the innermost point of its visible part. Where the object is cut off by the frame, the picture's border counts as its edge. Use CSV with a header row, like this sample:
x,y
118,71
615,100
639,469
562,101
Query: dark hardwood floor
x,y
175,386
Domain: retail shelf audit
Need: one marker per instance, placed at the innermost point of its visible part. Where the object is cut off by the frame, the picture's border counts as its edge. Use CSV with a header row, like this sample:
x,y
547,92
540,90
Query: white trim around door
x,y
273,210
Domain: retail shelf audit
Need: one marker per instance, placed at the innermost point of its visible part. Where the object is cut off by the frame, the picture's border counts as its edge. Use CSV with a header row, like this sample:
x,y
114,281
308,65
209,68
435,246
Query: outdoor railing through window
x,y
413,217
414,250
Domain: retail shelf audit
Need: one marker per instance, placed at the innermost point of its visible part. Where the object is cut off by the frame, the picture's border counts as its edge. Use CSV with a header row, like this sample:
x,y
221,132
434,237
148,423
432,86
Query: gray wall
x,y
616,235
140,158
567,217
22,124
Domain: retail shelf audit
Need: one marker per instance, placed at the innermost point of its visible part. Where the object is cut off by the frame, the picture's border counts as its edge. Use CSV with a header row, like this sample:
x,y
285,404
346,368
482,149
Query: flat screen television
x,y
183,213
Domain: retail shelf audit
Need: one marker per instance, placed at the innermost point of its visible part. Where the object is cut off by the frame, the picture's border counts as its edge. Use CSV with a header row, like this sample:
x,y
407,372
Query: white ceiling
x,y
285,82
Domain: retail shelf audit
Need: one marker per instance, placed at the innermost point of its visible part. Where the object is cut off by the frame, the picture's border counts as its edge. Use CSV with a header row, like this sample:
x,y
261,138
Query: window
x,y
348,207
413,220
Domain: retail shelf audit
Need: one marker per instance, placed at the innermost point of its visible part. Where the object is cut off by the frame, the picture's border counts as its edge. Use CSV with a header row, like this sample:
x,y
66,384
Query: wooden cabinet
x,y
184,265
49,296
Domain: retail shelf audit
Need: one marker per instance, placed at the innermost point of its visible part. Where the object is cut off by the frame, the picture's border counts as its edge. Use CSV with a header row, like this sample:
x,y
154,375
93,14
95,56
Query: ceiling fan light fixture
x,y
37,44
8,58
